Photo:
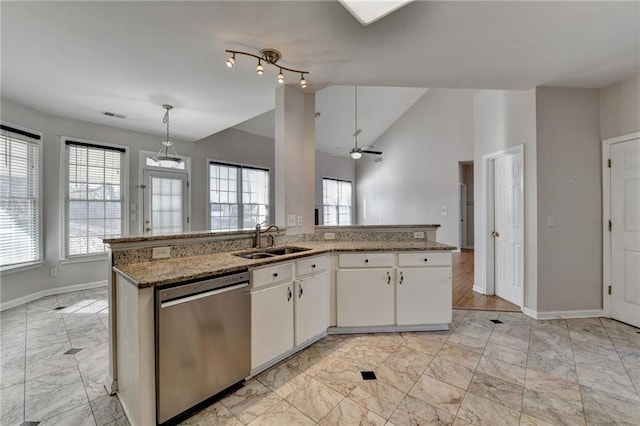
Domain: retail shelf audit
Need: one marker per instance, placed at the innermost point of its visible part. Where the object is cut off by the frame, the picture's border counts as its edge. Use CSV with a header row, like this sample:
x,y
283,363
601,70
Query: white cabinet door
x,y
271,323
311,307
423,295
365,297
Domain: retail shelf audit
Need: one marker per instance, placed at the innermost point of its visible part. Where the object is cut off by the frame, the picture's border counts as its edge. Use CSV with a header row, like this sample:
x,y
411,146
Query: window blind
x,y
20,227
336,196
238,196
95,197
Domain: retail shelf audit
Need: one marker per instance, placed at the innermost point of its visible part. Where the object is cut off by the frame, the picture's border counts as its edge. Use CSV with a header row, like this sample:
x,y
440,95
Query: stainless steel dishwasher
x,y
203,341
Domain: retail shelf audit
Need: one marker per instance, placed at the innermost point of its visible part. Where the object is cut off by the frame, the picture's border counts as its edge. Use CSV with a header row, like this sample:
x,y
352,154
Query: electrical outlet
x,y
418,235
161,252
53,272
134,217
291,220
329,236
444,213
299,220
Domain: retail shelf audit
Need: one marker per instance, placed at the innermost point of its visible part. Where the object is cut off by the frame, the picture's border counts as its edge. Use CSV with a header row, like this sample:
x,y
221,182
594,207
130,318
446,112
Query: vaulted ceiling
x,y
79,59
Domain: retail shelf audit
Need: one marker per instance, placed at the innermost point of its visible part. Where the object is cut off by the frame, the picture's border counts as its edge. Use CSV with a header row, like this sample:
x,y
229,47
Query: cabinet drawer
x,y
268,275
365,260
428,258
312,265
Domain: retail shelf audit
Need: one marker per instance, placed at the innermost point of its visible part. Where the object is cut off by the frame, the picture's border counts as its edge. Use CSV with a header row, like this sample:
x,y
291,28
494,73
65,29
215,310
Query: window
x,y
238,196
20,226
94,196
336,200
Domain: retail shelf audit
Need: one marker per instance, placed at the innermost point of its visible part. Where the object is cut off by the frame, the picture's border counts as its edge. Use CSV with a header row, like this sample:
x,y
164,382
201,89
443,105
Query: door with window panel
x,y
165,202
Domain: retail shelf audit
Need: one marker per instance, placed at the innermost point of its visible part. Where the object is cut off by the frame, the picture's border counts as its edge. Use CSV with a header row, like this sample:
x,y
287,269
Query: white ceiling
x,y
378,108
78,59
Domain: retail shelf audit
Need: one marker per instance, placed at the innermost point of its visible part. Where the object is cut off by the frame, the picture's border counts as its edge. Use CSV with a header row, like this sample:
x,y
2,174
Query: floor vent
x,y
496,321
368,375
72,351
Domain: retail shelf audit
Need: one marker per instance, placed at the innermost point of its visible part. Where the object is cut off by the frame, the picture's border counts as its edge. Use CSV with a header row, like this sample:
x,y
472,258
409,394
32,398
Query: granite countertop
x,y
169,271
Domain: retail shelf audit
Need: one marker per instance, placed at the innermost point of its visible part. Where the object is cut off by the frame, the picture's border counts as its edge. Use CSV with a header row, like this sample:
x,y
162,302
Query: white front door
x,y
508,228
625,231
165,202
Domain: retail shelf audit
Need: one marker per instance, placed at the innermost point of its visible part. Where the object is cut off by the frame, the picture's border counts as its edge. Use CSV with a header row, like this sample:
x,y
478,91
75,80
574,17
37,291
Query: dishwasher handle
x,y
203,295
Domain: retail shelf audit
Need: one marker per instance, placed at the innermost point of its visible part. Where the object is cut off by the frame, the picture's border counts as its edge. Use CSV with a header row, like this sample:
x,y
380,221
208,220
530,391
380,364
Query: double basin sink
x,y
270,252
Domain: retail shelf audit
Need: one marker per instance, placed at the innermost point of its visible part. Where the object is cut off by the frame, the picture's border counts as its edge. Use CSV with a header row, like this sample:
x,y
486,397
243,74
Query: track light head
x,y
260,68
280,77
231,61
303,82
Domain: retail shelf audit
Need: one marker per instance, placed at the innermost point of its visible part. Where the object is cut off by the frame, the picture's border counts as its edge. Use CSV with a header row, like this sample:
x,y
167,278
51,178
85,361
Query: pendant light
x,y
164,157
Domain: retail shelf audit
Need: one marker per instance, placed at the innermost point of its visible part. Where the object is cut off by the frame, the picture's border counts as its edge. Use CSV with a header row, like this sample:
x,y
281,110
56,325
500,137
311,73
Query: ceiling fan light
x,y
356,154
280,77
231,61
260,68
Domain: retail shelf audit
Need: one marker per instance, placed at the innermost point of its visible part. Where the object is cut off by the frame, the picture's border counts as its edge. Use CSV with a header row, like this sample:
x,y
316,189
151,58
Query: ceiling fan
x,y
355,151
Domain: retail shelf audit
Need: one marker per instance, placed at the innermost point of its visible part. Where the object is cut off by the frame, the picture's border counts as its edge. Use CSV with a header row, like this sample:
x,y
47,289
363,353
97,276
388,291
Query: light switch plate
x,y
291,220
299,220
418,235
161,252
329,236
444,213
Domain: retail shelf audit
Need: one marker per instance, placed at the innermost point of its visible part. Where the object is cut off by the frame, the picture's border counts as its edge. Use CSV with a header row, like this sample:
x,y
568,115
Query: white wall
x,y
620,108
569,190
503,119
230,145
419,171
331,166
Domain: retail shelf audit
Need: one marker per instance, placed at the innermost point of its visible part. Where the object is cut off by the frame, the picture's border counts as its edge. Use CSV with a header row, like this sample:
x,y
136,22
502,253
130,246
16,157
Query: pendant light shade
x,y
167,156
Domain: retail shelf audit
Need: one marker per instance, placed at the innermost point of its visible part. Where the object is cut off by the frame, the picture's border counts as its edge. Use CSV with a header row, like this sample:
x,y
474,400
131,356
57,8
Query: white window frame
x,y
64,188
11,269
324,206
239,190
143,166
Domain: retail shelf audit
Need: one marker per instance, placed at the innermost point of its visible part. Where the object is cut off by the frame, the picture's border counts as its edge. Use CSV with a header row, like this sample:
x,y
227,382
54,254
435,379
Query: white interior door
x,y
165,202
508,228
625,231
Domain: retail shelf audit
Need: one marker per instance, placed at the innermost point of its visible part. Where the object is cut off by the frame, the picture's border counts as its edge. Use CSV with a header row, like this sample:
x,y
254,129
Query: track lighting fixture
x,y
270,56
164,157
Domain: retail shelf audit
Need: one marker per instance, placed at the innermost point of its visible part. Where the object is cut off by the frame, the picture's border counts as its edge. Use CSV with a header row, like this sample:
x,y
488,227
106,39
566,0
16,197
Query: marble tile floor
x,y
491,368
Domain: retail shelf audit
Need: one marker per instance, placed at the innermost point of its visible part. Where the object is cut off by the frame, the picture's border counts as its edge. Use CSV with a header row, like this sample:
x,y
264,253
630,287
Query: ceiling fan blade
x,y
369,151
357,132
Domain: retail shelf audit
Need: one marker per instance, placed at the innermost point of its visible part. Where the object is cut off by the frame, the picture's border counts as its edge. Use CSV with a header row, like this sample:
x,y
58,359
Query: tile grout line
x,y
584,414
620,358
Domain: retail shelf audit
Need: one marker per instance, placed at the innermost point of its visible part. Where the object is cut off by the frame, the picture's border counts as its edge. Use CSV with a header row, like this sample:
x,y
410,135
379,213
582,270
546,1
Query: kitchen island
x,y
377,280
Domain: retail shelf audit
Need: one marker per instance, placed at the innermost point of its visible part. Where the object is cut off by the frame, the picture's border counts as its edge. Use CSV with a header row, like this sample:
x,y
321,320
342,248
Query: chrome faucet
x,y
259,231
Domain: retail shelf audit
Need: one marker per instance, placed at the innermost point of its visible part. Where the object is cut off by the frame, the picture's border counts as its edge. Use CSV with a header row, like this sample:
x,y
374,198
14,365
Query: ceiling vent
x,y
114,115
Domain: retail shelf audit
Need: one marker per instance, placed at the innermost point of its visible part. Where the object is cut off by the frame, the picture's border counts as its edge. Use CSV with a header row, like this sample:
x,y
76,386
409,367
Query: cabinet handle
x,y
366,261
401,278
289,294
275,275
313,266
388,278
300,291
426,260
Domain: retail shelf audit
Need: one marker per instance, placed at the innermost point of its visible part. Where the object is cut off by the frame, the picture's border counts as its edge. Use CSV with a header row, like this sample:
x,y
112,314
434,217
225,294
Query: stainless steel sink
x,y
270,252
259,255
279,251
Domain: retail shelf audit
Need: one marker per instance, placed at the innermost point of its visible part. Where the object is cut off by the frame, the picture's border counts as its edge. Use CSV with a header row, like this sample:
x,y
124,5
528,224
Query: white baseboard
x,y
588,313
50,292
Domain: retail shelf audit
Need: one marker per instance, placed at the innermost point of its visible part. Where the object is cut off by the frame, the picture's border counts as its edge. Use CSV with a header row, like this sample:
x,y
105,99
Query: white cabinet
x,y
423,296
311,307
415,289
365,297
271,323
271,312
287,313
